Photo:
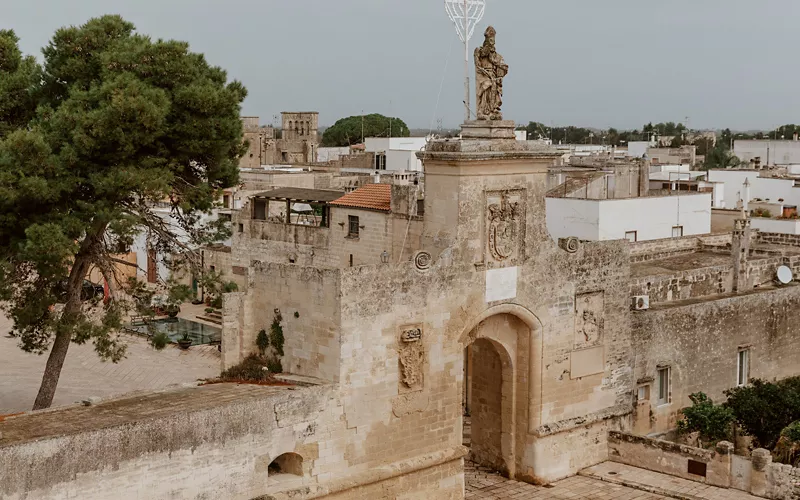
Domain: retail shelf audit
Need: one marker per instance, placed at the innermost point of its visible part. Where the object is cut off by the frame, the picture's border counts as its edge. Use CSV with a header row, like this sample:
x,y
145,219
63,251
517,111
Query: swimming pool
x,y
175,328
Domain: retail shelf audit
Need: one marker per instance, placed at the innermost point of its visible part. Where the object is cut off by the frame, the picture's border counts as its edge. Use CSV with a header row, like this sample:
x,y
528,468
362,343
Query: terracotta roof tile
x,y
369,197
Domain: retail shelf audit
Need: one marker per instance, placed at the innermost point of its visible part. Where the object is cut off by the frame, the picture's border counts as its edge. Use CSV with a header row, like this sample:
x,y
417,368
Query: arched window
x,y
288,463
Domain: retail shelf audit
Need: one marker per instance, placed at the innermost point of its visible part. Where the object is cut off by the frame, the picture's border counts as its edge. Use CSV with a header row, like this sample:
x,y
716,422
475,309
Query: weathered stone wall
x,y
672,458
681,285
699,340
659,249
756,475
214,441
778,239
782,482
308,301
374,236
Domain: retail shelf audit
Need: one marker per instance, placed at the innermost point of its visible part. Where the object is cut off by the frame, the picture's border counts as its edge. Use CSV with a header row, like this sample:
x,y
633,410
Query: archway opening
x,y
288,463
484,402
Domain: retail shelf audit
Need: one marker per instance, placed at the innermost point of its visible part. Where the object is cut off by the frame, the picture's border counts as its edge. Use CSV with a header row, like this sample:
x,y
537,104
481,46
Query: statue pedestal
x,y
488,129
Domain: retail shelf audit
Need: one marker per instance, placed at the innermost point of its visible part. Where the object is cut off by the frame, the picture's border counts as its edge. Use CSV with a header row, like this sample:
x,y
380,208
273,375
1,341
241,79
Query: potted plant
x,y
185,342
172,310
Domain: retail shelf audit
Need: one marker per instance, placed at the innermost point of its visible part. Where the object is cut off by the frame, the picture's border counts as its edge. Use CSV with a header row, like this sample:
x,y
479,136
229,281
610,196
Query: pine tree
x,y
112,124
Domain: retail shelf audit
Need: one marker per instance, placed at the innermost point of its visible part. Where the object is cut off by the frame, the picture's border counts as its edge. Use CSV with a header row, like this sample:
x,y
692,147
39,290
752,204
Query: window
x,y
380,161
743,367
631,236
352,225
677,231
241,228
226,199
643,393
663,385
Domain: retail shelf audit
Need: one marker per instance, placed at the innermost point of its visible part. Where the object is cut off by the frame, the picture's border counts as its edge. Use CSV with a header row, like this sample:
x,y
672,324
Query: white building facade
x,y
637,219
396,153
762,188
771,152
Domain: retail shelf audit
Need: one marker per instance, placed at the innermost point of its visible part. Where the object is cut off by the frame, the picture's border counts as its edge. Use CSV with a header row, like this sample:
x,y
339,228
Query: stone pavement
x,y
85,375
483,484
670,486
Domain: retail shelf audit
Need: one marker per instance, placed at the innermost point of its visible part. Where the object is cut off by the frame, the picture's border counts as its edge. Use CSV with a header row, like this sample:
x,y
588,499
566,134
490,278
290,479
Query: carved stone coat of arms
x,y
505,222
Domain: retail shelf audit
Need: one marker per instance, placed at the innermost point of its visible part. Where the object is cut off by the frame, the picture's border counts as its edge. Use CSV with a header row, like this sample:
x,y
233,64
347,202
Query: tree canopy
x,y
112,124
348,131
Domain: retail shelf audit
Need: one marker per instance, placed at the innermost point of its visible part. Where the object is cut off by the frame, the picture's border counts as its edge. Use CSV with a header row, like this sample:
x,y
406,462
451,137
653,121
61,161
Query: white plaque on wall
x,y
501,284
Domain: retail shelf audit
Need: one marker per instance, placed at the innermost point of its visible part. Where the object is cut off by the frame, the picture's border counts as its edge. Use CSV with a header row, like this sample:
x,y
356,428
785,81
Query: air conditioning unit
x,y
641,303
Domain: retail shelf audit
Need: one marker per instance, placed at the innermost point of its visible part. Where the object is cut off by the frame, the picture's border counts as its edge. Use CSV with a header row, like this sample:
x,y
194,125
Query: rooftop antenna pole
x,y
465,14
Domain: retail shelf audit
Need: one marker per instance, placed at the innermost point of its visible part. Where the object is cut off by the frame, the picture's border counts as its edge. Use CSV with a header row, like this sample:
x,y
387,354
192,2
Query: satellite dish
x,y
785,275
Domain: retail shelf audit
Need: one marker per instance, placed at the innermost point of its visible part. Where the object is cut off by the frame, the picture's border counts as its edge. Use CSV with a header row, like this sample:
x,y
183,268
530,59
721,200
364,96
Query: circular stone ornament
x,y
423,260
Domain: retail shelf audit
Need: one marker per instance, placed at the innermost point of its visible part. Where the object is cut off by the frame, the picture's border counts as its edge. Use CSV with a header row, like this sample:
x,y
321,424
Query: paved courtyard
x,y
85,375
483,484
605,481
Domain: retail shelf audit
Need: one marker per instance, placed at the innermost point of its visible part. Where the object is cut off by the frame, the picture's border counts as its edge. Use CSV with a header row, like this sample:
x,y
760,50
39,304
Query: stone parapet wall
x,y
693,283
717,466
215,441
669,247
672,458
778,239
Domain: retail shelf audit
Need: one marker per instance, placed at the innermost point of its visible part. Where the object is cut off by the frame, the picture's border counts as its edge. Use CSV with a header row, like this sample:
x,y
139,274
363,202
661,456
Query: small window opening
x,y
663,385
352,225
677,231
643,393
288,463
241,228
697,468
631,236
743,367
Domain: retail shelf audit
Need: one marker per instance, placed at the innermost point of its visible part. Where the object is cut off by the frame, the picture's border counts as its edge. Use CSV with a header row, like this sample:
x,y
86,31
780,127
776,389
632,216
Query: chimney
x,y
746,195
740,251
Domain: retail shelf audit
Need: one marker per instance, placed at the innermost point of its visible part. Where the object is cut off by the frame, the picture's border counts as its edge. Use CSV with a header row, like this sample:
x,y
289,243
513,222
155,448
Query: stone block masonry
x,y
215,441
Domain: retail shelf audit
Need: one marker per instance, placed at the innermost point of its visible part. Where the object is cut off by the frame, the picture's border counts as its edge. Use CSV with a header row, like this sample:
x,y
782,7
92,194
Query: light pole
x,y
465,14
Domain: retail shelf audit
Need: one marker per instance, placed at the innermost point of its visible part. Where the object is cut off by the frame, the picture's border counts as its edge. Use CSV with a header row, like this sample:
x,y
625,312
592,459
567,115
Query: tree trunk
x,y
58,352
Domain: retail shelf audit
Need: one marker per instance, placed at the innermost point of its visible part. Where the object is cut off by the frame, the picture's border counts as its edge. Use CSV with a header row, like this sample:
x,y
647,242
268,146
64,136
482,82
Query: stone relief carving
x,y
490,69
505,214
411,355
589,319
570,245
422,260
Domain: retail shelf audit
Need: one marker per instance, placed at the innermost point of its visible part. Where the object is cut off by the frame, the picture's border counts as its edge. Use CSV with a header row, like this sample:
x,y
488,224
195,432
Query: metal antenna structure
x,y
465,14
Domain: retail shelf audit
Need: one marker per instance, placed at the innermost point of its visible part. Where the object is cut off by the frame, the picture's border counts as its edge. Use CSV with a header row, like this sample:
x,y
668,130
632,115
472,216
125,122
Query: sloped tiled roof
x,y
369,197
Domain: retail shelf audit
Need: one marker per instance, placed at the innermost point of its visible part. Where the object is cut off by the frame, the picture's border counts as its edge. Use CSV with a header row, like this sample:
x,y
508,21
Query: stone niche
x,y
505,228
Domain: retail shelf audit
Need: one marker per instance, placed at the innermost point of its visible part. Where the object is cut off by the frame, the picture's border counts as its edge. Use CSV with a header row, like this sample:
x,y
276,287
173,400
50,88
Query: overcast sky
x,y
616,63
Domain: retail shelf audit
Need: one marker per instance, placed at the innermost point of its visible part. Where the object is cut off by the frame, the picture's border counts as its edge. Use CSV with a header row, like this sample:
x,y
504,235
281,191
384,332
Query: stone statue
x,y
490,69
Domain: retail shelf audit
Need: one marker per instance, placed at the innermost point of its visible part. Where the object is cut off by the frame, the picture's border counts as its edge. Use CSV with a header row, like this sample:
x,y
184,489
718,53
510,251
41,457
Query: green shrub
x,y
262,341
274,365
763,409
792,431
230,287
251,369
713,422
209,310
276,333
159,341
787,450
